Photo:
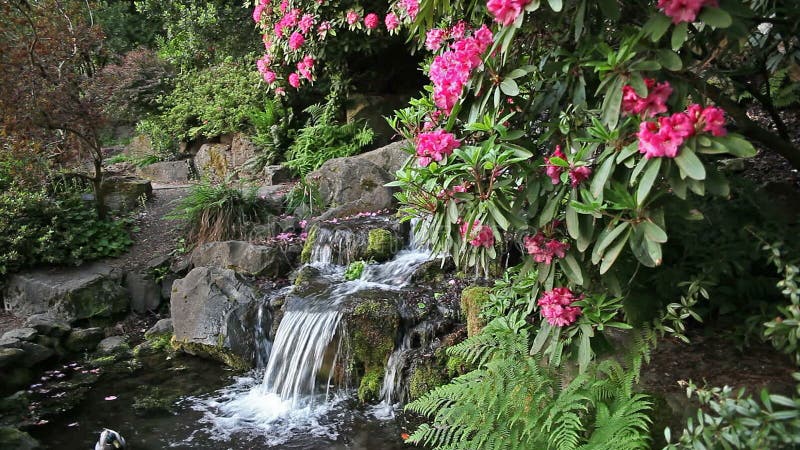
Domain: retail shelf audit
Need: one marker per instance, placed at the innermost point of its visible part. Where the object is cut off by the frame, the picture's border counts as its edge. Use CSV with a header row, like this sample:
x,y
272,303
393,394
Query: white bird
x,y
109,440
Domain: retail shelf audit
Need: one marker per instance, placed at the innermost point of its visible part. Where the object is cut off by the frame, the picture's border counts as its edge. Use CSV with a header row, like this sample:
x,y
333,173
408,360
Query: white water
x,y
295,396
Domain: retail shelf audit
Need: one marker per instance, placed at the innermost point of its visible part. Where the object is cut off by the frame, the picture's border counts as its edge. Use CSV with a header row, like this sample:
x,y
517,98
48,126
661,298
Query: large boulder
x,y
373,109
86,292
367,238
144,291
211,311
167,171
242,257
121,193
139,147
357,184
213,161
242,149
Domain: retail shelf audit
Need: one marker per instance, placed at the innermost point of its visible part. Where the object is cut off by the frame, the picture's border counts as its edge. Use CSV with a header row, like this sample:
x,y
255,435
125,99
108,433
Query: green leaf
x,y
605,239
679,35
610,9
716,17
612,103
649,177
737,145
541,337
611,255
452,211
657,26
556,5
669,60
586,223
509,87
584,348
601,176
653,232
573,226
498,216
516,73
571,269
690,164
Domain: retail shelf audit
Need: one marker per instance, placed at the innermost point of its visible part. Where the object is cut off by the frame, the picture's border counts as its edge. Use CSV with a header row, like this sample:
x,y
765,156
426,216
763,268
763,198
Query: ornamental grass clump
x,y
219,212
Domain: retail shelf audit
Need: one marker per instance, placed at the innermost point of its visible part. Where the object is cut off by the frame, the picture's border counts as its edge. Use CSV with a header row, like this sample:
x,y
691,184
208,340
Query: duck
x,y
110,440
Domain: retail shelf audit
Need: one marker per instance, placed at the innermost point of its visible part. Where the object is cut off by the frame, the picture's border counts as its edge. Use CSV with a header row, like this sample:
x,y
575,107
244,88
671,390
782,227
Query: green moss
x,y
423,379
103,361
217,353
305,255
372,329
156,344
16,439
354,270
472,300
370,388
381,245
457,366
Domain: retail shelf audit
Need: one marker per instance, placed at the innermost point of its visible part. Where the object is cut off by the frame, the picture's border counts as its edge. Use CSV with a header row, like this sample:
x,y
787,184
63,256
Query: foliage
x,y
219,212
125,29
354,270
273,133
196,33
210,102
784,331
132,86
37,229
514,401
161,141
304,198
731,420
324,138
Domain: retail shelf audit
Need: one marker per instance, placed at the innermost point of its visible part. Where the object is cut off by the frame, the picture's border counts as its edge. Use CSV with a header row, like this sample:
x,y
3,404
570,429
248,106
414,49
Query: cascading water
x,y
296,392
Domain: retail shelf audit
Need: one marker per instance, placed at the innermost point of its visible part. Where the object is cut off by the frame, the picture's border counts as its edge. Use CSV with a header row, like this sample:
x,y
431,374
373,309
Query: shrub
x,y
39,229
219,212
304,199
273,133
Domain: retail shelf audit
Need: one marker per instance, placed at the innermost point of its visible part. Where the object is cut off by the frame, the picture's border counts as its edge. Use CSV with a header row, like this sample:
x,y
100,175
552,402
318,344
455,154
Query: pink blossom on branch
x,y
434,38
352,17
655,103
371,21
478,235
434,146
683,10
506,12
544,250
579,174
296,40
410,8
553,171
556,306
294,80
451,70
391,21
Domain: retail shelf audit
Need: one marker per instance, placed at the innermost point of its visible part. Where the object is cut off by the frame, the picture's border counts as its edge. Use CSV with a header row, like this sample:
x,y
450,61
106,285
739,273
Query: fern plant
x,y
273,132
513,401
323,138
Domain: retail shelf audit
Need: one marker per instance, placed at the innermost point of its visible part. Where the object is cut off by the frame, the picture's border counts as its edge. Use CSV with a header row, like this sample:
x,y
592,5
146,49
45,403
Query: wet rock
x,y
423,378
125,193
162,327
145,294
277,174
86,292
212,161
153,345
9,356
22,334
12,438
389,158
35,353
47,325
433,270
9,342
472,300
167,171
242,257
209,308
83,339
342,242
113,345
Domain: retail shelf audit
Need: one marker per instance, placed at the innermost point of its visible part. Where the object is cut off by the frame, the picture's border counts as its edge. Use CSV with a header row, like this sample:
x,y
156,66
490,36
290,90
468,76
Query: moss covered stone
x,y
16,439
472,300
381,245
308,246
156,344
423,379
370,388
218,353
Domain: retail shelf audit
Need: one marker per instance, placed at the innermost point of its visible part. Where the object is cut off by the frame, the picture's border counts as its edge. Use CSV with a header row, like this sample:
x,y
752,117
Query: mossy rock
x,y
217,353
370,388
156,344
472,300
423,379
308,246
381,245
16,439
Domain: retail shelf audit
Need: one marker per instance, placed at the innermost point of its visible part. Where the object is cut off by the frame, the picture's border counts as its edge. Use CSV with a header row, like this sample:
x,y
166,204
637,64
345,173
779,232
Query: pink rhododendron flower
x,y
479,235
322,29
269,76
506,12
553,171
284,6
305,23
294,80
579,174
296,40
655,102
280,91
714,121
544,250
259,10
556,306
683,10
352,17
371,21
451,70
434,38
459,30
410,7
434,146
659,139
391,21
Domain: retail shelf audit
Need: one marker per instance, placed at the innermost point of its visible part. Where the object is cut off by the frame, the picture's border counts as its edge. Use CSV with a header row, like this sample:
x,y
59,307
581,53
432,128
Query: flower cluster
x,y
505,12
478,235
577,174
409,8
451,70
664,137
543,249
684,10
434,146
446,194
655,103
556,306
